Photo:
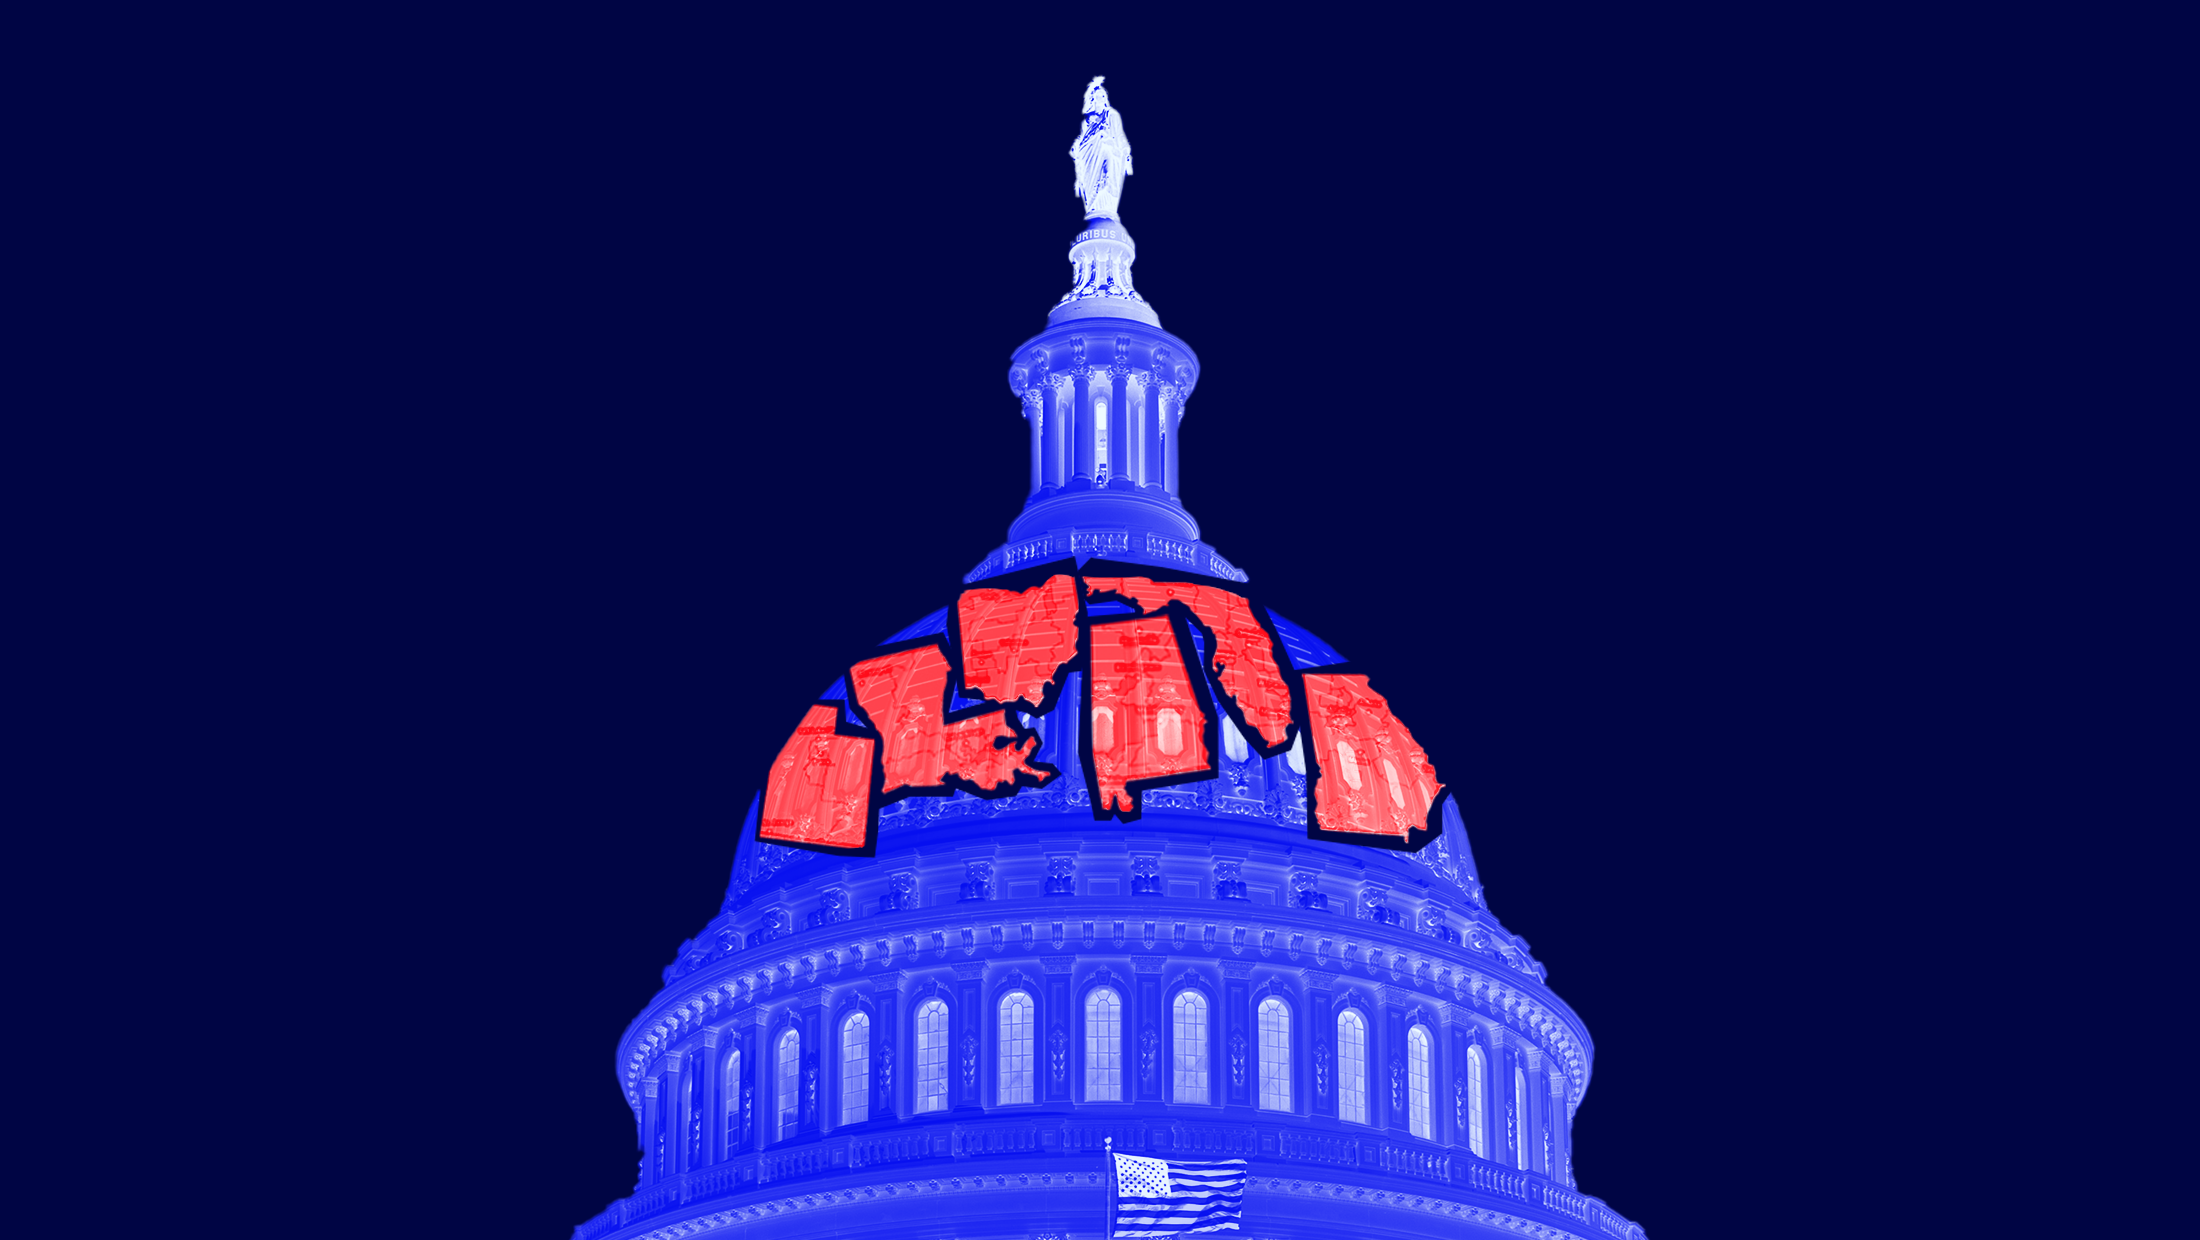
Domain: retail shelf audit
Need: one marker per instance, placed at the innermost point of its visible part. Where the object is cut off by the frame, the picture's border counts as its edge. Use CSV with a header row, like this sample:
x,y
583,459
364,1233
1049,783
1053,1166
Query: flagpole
x,y
1107,1191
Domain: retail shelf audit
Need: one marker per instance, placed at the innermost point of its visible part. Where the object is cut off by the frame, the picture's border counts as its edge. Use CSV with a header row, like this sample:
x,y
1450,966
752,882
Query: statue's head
x,y
1096,96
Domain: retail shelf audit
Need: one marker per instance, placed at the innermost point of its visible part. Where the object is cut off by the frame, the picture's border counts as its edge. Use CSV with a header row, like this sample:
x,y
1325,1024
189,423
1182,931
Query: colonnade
x,y
1103,427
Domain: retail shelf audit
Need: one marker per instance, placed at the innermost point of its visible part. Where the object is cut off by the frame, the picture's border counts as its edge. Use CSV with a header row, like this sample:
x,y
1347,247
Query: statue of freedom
x,y
1102,154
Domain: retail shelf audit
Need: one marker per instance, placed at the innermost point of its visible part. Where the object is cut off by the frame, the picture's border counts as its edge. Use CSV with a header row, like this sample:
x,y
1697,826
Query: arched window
x,y
1397,790
1348,764
1103,729
1478,1106
1520,1123
1015,1074
855,1069
932,1056
1103,1046
1417,1068
1351,1067
789,1112
1233,741
1297,756
1275,1055
1100,437
1191,1046
1169,728
730,1090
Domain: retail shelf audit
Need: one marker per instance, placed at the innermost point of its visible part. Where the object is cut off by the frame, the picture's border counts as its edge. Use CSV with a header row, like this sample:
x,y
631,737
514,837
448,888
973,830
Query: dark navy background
x,y
1613,391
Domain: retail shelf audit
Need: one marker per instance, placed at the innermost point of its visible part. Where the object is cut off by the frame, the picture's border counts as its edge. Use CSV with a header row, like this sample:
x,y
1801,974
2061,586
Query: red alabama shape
x,y
1244,657
1144,721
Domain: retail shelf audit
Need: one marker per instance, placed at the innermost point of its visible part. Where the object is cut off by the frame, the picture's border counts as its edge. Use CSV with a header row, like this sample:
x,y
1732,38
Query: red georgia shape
x,y
1014,642
1144,721
904,693
1244,657
1374,779
820,788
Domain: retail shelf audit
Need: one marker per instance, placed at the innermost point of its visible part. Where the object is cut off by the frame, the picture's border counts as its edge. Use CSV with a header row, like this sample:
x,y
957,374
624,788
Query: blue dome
x,y
949,1030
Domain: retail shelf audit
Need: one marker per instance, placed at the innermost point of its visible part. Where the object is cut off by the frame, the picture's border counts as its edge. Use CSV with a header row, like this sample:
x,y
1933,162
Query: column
x,y
1081,428
888,1060
817,1059
1392,1082
1120,424
1562,1136
1145,1028
1321,1020
651,1120
1240,1037
1172,430
1153,473
1058,444
1035,414
966,1045
1058,1027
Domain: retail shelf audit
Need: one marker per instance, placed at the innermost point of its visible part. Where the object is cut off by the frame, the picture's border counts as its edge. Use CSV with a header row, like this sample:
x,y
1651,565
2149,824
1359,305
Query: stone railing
x,y
1271,1149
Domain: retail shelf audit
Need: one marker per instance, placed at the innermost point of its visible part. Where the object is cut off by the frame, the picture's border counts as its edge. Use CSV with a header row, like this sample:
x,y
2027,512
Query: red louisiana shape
x,y
1142,715
905,694
820,788
1015,642
1244,656
1374,779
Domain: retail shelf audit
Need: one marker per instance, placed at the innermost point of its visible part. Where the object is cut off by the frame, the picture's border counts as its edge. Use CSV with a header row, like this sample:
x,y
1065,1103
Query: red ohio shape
x,y
1015,642
904,694
820,788
1244,656
1374,779
1143,718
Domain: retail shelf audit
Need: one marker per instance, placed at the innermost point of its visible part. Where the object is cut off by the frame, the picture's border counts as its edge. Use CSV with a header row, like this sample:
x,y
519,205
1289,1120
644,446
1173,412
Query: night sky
x,y
1594,387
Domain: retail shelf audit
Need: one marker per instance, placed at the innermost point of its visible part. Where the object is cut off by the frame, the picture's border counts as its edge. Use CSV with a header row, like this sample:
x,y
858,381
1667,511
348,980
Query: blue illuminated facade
x,y
937,1040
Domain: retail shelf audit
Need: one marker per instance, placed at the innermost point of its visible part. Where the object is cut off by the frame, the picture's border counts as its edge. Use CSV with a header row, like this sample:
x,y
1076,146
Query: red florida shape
x,y
905,695
1243,658
1374,779
820,788
1015,642
1142,716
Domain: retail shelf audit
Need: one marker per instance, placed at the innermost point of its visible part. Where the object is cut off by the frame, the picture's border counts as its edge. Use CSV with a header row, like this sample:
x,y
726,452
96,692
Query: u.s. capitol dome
x,y
1103,852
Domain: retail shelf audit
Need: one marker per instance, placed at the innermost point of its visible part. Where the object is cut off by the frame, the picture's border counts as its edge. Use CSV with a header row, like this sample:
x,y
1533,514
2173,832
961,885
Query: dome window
x,y
1103,1046
1417,1074
1397,791
1103,730
1191,1046
1275,1055
1348,764
932,1056
1015,1049
855,1069
1351,1066
789,1111
1169,730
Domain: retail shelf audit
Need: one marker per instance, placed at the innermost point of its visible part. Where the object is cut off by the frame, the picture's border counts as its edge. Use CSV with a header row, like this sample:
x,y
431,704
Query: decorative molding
x,y
1147,964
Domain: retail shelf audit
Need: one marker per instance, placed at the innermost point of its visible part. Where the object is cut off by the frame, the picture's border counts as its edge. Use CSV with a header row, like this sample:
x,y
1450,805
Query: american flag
x,y
1155,1197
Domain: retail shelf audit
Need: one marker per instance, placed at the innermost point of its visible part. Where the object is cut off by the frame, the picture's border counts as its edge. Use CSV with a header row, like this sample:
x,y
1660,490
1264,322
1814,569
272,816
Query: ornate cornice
x,y
766,977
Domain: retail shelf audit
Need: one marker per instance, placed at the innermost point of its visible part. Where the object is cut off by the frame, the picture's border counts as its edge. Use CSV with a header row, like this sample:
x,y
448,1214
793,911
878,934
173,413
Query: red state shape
x,y
1374,779
904,694
1243,658
1015,642
1140,711
820,787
